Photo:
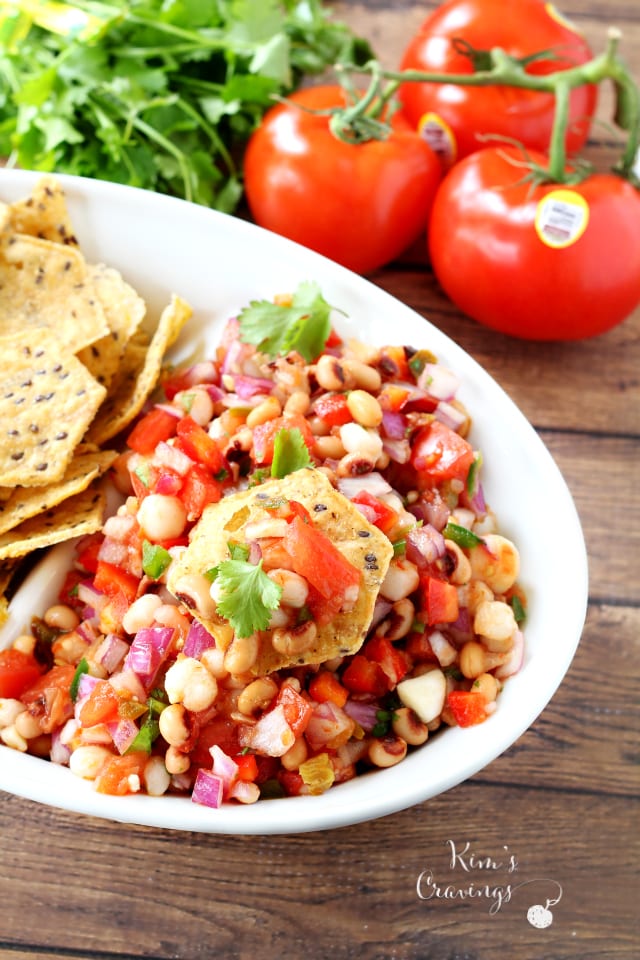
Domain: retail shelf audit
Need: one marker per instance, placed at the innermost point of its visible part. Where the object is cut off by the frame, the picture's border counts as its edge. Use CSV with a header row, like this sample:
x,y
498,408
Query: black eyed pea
x,y
188,681
176,762
241,654
409,727
487,685
401,579
292,641
387,751
330,447
496,561
156,777
257,695
11,738
27,725
495,622
162,517
194,590
173,725
269,409
364,408
400,620
197,403
26,643
295,755
461,572
477,592
9,710
141,613
360,440
332,374
363,375
295,589
61,617
297,403
472,659
88,760
354,465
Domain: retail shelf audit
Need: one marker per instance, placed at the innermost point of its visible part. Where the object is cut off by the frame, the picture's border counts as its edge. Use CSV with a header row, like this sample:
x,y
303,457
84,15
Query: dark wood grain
x,y
562,800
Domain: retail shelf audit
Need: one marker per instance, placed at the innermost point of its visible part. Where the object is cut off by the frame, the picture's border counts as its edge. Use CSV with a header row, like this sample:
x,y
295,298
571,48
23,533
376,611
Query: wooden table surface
x,y
562,800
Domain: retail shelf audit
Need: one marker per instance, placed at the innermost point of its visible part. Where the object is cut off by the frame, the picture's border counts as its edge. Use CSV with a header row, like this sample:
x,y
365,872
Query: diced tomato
x,y
68,594
166,481
316,558
247,767
143,482
333,409
468,707
49,699
197,444
324,686
291,782
439,601
221,731
393,397
418,647
88,550
115,582
297,711
274,554
198,490
393,362
333,340
264,436
365,676
439,453
114,776
101,706
392,660
157,425
18,671
382,515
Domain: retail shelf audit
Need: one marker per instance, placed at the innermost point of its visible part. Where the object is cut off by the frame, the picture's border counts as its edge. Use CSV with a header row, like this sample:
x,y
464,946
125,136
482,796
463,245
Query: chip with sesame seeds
x,y
47,401
44,213
77,516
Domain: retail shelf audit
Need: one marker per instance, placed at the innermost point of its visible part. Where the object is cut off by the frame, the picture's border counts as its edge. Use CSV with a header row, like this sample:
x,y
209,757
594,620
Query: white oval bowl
x,y
218,263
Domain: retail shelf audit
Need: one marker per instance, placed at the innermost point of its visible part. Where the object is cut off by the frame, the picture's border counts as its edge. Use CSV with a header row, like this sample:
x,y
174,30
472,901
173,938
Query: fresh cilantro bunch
x,y
161,94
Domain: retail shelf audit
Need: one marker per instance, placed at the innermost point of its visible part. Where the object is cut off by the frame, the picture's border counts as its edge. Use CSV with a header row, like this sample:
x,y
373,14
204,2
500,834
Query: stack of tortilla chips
x,y
76,368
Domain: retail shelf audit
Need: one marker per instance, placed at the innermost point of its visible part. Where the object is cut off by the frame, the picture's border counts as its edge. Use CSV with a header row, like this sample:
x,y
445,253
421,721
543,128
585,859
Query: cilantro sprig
x,y
246,595
276,329
290,453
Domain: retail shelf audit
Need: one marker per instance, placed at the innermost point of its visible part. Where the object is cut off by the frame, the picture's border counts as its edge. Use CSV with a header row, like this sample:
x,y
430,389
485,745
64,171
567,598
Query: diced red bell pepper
x,y
325,686
18,671
391,659
418,647
264,436
439,601
316,558
365,676
332,408
198,490
439,453
247,767
89,548
468,707
193,440
157,425
383,516
115,582
297,711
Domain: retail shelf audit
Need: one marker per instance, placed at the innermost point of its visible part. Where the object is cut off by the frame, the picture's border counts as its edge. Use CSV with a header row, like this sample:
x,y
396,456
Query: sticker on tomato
x,y
561,218
560,18
440,137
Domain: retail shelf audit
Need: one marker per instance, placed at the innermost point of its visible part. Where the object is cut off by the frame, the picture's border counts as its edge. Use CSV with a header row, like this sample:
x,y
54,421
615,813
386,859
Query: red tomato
x,y
114,776
197,444
315,557
198,490
157,425
439,453
359,204
520,28
101,706
468,707
49,698
501,251
365,676
383,516
264,436
440,601
18,671
115,582
333,409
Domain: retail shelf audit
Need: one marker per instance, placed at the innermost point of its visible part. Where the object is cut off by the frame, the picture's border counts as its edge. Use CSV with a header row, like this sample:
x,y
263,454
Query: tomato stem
x,y
505,70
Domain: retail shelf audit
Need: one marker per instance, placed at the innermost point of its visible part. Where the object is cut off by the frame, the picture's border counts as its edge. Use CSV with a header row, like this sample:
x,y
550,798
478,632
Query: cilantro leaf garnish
x,y
275,329
290,453
83,667
247,595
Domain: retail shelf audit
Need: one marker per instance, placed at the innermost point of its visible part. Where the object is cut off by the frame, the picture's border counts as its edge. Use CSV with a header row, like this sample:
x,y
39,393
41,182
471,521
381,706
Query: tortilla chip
x,y
45,284
124,312
47,401
139,370
27,502
358,540
79,515
44,213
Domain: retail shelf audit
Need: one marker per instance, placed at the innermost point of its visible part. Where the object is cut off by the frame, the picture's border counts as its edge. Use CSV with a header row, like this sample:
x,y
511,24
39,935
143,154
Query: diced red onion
x,y
394,425
461,629
119,526
443,649
516,658
172,457
128,681
397,450
87,631
373,483
168,484
215,393
113,551
271,735
232,401
380,610
59,752
449,415
198,640
204,371
433,510
111,652
327,722
425,545
367,512
247,387
86,684
224,767
170,409
148,650
438,381
207,789
123,733
477,502
88,594
364,713
255,552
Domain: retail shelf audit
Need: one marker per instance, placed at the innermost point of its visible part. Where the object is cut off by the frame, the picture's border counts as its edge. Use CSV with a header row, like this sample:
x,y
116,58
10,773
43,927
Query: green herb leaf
x,y
83,667
461,535
248,596
155,559
290,453
276,329
519,611
473,476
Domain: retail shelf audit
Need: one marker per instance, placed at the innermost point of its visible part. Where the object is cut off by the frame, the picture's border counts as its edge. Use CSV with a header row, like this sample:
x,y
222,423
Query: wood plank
x,y
132,892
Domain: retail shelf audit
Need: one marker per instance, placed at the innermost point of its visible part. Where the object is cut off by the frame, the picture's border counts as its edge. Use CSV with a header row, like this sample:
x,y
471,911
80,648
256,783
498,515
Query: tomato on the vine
x,y
359,204
455,116
543,262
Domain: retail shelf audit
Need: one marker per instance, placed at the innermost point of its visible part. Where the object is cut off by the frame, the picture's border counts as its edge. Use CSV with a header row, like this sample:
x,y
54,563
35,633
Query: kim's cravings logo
x,y
488,879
